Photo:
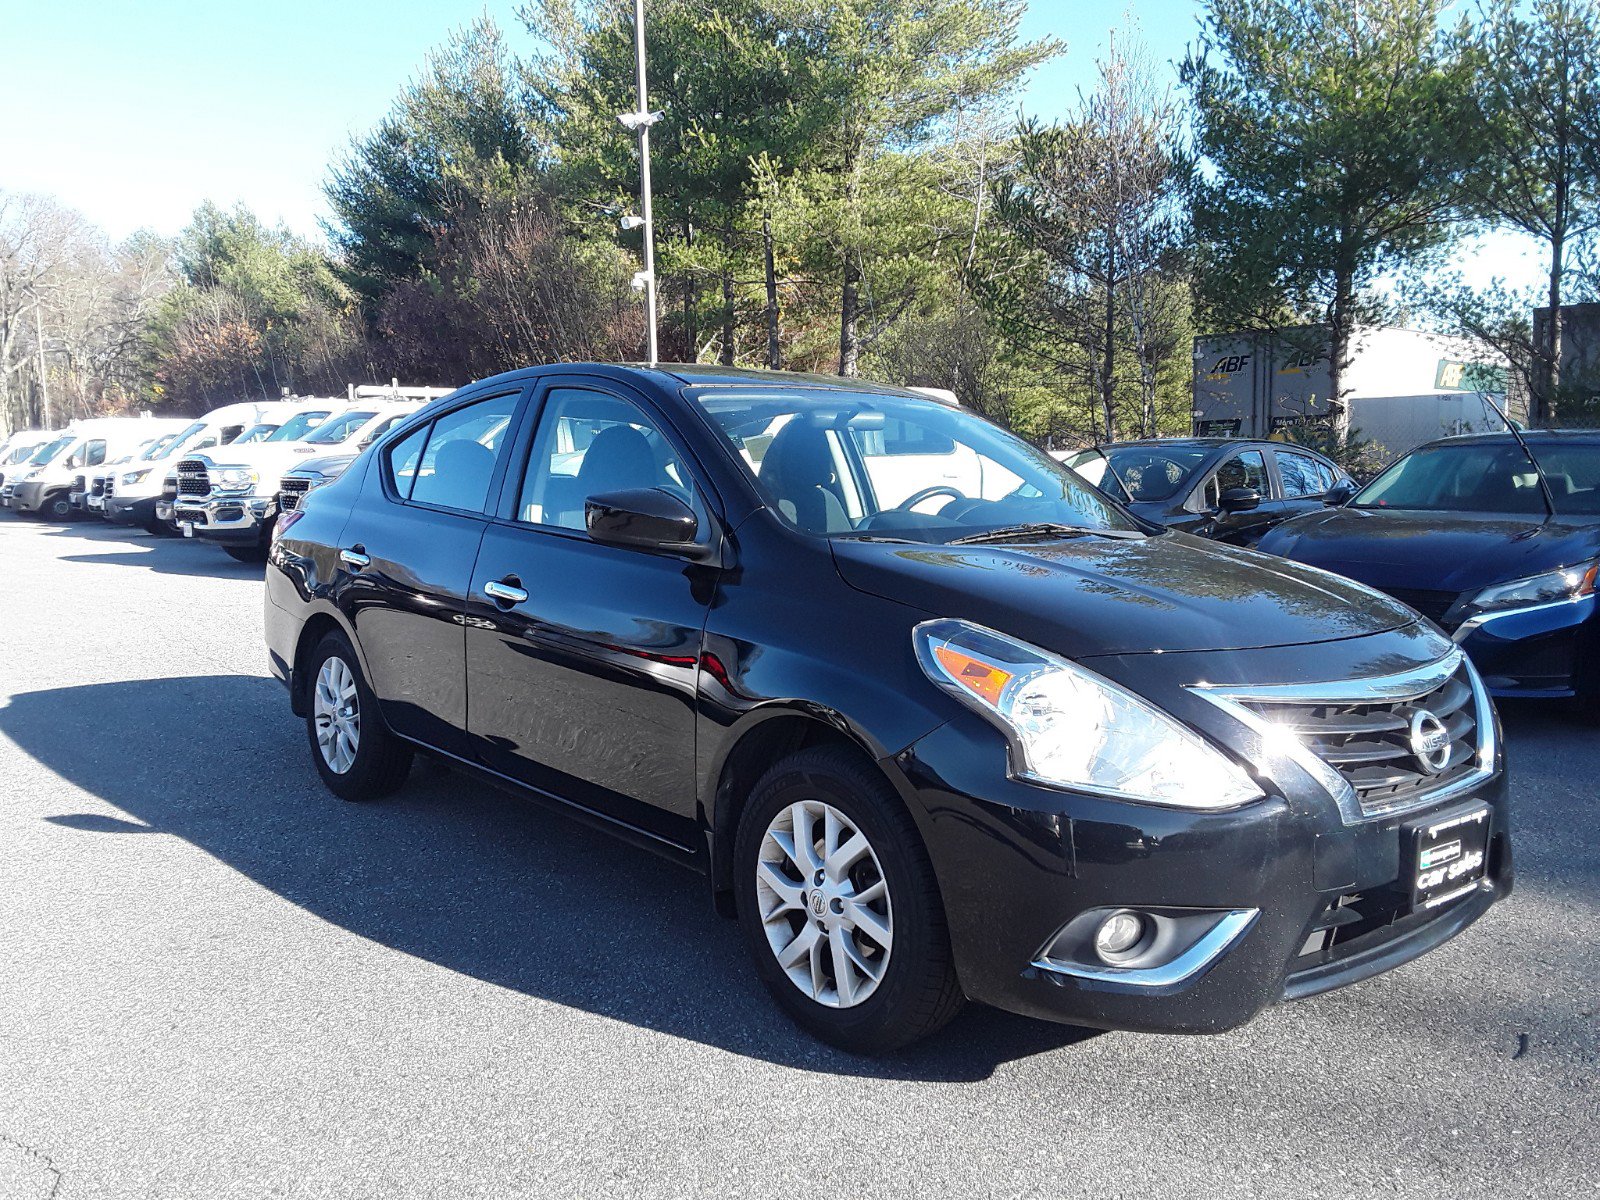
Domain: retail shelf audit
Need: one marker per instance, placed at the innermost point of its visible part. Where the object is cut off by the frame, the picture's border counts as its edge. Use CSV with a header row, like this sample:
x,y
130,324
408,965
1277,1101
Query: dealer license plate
x,y
187,527
1450,855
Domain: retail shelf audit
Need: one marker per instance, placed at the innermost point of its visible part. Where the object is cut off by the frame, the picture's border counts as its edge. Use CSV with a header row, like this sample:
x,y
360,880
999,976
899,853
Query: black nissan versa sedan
x,y
930,736
1498,544
1228,489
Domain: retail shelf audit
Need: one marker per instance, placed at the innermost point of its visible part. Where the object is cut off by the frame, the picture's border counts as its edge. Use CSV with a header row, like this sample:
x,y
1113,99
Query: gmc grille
x,y
1370,745
193,479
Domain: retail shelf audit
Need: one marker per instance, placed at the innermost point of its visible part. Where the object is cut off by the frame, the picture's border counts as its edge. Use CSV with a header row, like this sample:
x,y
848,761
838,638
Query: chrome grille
x,y
291,491
108,486
1371,745
193,479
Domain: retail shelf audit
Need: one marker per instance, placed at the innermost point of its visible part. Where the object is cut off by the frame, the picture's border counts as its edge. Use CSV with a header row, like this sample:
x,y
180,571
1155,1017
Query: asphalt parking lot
x,y
218,981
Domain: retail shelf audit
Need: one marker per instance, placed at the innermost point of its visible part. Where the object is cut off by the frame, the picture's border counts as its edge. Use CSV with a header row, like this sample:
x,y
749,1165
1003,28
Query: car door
x,y
409,546
582,673
1245,468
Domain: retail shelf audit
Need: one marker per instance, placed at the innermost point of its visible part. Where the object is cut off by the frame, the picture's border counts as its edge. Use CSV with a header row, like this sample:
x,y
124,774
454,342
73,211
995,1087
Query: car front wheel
x,y
839,906
356,755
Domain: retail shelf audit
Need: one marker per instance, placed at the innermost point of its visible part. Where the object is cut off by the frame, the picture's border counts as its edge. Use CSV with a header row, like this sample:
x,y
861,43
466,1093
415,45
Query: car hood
x,y
1436,551
1093,595
266,457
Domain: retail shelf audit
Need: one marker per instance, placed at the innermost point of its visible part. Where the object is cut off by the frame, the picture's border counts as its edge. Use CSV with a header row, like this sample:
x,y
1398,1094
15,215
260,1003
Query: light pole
x,y
640,122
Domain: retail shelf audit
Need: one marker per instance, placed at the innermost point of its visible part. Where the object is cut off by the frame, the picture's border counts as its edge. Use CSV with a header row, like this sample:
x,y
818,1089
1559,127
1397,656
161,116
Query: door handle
x,y
503,592
355,557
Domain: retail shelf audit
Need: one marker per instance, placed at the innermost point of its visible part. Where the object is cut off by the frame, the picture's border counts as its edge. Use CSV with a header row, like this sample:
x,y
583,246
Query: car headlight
x,y
135,476
236,479
1068,727
1568,583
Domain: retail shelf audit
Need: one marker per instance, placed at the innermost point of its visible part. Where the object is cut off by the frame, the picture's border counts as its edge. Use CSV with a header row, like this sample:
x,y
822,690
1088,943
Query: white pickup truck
x,y
128,493
228,496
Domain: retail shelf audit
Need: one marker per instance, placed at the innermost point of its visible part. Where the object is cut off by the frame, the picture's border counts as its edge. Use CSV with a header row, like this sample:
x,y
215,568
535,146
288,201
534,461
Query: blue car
x,y
1496,541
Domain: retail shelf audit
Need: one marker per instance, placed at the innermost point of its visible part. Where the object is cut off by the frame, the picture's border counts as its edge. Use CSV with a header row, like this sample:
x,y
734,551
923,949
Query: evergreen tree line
x,y
844,186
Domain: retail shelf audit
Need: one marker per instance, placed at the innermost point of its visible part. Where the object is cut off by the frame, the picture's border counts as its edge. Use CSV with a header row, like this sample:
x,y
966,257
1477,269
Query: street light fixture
x,y
630,222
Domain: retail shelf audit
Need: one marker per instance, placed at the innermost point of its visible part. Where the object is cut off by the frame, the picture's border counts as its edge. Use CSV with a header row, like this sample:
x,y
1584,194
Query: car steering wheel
x,y
937,489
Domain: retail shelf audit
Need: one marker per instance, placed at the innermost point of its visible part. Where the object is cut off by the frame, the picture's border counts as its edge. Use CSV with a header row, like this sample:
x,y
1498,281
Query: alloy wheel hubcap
x,y
336,709
824,904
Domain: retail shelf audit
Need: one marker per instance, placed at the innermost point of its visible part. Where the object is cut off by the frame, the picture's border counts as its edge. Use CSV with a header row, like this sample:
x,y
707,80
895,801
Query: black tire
x,y
58,508
159,529
247,554
918,992
382,761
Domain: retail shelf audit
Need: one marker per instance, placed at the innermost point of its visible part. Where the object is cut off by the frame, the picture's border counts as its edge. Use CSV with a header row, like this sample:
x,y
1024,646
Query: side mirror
x,y
1239,499
1340,493
644,519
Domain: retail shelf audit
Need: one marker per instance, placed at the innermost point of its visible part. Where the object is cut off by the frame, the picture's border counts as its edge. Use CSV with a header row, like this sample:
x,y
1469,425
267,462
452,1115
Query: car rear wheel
x,y
356,755
839,906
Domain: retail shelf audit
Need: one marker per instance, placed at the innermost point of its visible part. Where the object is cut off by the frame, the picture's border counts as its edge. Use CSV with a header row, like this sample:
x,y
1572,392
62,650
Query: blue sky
x,y
141,111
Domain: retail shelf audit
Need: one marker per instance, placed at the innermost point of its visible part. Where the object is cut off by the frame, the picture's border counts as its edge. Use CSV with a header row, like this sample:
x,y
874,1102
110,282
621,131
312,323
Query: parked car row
x,y
222,478
937,718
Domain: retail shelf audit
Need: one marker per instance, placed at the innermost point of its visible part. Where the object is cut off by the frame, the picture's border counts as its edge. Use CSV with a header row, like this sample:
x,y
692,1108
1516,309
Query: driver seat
x,y
798,473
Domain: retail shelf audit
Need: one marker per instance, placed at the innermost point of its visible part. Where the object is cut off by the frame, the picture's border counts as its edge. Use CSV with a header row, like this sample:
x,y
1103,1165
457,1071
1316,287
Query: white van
x,y
127,494
19,447
46,482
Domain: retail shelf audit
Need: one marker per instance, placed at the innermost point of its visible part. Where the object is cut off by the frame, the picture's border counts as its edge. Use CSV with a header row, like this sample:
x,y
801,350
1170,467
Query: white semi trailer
x,y
1401,387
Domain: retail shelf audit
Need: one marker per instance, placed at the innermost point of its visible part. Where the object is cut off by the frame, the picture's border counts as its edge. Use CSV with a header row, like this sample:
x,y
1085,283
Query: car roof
x,y
1202,443
705,375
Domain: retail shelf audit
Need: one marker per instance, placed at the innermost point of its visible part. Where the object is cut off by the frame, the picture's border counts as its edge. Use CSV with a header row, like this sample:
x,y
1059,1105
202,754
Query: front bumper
x,y
1544,650
1017,862
126,511
29,496
226,520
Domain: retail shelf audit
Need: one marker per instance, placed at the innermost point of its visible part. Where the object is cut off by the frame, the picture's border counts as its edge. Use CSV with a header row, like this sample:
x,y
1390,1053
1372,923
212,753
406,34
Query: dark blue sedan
x,y
1466,532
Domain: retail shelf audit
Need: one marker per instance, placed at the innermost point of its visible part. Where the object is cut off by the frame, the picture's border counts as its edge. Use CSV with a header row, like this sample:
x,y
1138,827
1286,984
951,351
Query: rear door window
x,y
1300,475
458,460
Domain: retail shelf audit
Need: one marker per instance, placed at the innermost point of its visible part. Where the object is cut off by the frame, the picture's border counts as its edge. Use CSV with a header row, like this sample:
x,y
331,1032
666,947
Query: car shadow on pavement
x,y
461,875
129,547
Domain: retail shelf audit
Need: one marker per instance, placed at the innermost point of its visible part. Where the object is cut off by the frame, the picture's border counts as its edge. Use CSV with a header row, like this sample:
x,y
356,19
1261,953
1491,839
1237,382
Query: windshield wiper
x,y
1033,531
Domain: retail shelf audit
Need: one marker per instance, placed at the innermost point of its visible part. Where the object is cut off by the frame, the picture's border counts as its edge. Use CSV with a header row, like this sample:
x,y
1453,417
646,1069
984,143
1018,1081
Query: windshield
x,y
340,428
296,427
19,453
49,450
256,433
1489,477
834,463
166,446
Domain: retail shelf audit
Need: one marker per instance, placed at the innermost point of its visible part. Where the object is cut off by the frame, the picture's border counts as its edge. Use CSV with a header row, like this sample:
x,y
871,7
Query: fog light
x,y
1120,935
